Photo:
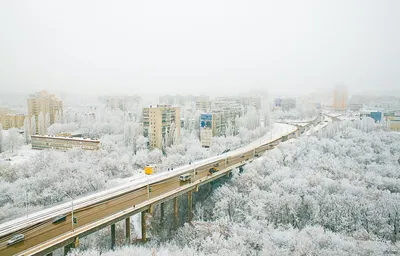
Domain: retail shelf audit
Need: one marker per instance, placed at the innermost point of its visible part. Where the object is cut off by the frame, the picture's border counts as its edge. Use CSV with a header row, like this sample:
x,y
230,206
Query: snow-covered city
x,y
214,128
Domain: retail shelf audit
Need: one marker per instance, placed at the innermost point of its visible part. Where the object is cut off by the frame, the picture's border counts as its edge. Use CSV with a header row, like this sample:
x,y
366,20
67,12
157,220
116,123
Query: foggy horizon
x,y
212,47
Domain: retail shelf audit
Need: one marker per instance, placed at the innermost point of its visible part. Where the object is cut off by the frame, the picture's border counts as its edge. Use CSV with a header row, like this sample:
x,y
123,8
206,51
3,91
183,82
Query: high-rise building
x,y
9,119
207,128
394,121
203,103
123,103
160,124
46,108
288,104
243,101
284,104
221,121
340,98
5,111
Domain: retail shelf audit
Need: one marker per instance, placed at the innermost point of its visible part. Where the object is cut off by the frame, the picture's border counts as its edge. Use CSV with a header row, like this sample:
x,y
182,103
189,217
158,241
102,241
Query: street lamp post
x,y
194,170
72,214
26,202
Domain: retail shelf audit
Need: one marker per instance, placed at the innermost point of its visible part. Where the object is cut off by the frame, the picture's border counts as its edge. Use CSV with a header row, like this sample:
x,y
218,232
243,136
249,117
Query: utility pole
x,y
26,202
72,212
72,222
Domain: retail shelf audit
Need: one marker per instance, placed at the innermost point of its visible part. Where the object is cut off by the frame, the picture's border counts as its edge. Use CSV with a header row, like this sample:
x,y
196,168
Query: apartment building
x,y
63,143
123,103
158,121
203,104
12,121
9,119
340,98
5,111
175,99
208,128
49,105
246,102
216,123
288,104
394,121
284,104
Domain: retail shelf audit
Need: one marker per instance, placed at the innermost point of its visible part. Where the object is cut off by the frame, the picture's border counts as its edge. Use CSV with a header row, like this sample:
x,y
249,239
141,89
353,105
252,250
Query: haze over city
x,y
201,128
199,47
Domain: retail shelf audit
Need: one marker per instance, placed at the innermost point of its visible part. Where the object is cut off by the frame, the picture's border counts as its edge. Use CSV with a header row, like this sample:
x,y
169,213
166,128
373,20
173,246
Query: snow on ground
x,y
299,124
278,130
24,153
118,181
319,126
297,120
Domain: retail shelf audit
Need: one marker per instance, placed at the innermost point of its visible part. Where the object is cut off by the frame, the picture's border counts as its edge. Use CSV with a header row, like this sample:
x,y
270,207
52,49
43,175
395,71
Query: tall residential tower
x,y
340,98
46,108
160,124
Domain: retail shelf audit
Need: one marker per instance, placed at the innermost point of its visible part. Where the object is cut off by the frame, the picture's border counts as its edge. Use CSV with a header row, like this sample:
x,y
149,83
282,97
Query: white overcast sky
x,y
198,46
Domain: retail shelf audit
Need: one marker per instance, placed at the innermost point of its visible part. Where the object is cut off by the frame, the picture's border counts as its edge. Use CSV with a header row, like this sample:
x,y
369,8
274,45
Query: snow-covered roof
x,y
63,138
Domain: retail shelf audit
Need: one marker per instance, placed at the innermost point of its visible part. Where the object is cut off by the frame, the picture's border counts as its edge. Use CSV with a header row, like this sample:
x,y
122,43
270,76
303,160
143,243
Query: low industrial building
x,y
63,143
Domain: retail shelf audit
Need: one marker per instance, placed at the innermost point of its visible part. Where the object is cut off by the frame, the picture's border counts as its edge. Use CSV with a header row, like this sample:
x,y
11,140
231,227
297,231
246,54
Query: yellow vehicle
x,y
148,169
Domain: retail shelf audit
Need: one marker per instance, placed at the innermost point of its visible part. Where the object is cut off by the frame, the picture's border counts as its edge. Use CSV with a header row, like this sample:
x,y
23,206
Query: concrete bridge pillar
x,y
68,248
112,236
190,205
143,213
176,210
162,210
176,206
128,230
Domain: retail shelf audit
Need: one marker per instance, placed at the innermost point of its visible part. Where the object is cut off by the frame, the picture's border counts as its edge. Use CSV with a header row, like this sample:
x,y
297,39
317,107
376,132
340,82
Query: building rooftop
x,y
64,138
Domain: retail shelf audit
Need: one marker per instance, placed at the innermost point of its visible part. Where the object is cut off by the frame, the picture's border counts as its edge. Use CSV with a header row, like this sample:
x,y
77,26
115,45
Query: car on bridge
x,y
213,170
148,169
16,239
59,219
185,177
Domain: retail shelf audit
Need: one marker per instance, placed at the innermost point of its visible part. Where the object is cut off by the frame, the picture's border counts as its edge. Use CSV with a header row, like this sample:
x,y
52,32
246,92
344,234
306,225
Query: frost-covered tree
x,y
33,125
132,131
170,138
58,117
251,120
42,124
1,139
14,140
141,142
27,135
47,121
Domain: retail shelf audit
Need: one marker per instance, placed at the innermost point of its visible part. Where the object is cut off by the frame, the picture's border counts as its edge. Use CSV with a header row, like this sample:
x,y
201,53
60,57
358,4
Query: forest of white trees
x,y
336,193
300,113
49,177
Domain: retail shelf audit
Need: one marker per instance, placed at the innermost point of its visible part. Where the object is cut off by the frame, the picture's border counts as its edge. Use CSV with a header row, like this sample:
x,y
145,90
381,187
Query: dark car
x,y
212,170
